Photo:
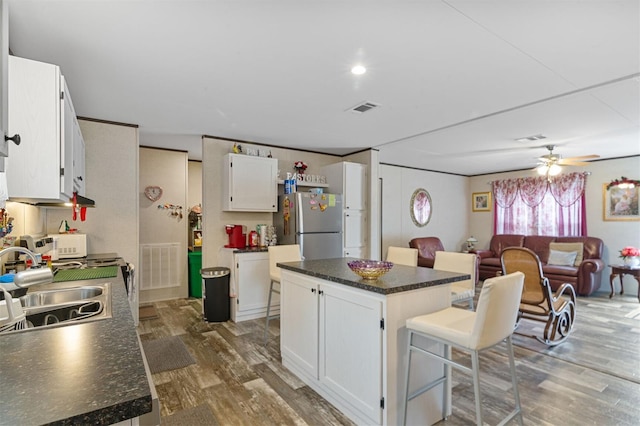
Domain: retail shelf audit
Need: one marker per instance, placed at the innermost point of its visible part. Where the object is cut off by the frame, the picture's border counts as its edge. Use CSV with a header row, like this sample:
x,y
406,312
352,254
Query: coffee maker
x,y
237,236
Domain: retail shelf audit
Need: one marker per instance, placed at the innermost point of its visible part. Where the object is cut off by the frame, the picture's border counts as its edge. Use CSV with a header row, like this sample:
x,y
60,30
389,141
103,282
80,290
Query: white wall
x,y
111,158
214,219
168,170
615,235
194,196
449,212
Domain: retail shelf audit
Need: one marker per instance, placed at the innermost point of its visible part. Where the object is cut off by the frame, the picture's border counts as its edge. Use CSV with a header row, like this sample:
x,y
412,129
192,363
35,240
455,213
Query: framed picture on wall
x,y
481,201
620,203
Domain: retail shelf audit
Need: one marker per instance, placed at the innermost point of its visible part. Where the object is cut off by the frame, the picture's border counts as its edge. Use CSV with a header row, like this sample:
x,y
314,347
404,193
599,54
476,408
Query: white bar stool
x,y
463,263
278,254
402,256
492,322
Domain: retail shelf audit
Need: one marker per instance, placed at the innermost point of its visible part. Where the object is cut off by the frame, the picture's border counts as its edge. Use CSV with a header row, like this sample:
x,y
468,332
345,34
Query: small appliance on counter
x,y
237,236
69,246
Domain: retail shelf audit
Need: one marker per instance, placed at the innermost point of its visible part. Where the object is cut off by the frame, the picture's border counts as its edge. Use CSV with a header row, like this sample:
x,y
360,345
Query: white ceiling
x,y
458,81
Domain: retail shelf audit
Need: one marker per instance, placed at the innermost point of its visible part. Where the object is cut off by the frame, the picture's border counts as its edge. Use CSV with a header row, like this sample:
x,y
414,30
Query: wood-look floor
x,y
592,379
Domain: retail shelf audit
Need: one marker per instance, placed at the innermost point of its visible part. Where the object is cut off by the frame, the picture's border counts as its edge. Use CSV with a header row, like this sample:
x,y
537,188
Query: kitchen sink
x,y
65,306
56,297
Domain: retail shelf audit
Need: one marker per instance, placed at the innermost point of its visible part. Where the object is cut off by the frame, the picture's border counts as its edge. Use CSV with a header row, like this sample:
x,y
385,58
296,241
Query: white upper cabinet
x,y
350,179
41,168
355,186
4,92
249,183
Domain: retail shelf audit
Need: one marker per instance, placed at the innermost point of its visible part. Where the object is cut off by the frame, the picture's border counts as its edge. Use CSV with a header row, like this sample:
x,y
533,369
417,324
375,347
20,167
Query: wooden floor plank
x,y
592,379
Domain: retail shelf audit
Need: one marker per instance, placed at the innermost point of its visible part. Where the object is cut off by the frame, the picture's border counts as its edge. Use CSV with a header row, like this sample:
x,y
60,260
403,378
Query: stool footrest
x,y
427,387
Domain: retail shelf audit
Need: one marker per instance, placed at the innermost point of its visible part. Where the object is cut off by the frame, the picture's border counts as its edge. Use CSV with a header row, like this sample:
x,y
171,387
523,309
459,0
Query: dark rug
x,y
147,312
196,416
167,353
605,337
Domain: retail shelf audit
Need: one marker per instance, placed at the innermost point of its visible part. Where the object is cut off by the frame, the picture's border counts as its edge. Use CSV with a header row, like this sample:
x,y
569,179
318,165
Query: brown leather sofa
x,y
427,248
584,278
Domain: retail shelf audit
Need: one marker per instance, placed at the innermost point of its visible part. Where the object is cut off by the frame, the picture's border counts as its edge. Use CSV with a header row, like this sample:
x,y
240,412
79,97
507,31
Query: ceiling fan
x,y
549,164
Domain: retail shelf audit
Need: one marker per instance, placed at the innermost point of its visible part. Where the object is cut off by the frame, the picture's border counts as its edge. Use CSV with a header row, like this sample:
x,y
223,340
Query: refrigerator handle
x,y
301,243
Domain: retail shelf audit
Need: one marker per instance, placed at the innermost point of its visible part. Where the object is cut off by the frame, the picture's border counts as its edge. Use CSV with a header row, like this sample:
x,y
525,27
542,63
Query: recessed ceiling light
x,y
358,70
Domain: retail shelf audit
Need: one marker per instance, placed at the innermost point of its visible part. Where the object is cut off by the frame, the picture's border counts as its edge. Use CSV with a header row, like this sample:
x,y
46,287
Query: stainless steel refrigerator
x,y
312,220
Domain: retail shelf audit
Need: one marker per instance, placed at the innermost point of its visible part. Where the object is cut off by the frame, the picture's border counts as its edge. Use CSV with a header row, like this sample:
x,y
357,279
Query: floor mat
x,y
147,312
85,274
167,353
196,416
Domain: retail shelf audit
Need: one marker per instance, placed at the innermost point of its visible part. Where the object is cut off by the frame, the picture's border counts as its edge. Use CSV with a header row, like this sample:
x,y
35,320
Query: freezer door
x,y
321,245
318,212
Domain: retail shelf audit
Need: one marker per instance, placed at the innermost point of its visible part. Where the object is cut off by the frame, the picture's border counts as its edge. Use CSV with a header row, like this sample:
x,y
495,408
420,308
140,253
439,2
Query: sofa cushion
x,y
569,247
539,244
562,258
593,247
492,261
561,272
501,242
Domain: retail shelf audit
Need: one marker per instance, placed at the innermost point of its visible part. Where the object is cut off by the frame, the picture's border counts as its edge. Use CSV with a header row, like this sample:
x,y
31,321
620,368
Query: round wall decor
x,y
154,193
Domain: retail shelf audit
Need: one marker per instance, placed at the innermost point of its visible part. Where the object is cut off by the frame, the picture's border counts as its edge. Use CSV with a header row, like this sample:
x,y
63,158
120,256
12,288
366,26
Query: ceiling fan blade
x,y
582,157
567,162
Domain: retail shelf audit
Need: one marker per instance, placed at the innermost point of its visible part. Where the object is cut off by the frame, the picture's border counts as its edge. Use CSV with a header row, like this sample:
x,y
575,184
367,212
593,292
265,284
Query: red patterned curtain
x,y
536,206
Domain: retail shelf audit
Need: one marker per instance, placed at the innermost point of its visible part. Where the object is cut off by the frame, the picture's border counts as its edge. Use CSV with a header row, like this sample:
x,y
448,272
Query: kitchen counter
x,y
251,250
346,337
88,373
399,279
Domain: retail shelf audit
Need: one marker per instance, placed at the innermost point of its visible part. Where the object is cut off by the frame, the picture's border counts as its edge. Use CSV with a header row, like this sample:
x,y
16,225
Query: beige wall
x,y
194,196
214,219
111,157
449,212
615,235
168,170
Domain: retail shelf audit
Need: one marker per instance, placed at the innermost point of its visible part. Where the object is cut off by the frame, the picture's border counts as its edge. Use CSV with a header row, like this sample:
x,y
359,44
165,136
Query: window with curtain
x,y
538,206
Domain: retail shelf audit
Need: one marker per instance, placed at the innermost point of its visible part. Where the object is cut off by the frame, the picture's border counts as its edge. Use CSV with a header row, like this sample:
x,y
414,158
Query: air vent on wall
x,y
531,138
363,107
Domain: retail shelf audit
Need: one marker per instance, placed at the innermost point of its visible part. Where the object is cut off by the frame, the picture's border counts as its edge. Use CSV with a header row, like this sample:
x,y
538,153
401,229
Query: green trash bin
x,y
195,279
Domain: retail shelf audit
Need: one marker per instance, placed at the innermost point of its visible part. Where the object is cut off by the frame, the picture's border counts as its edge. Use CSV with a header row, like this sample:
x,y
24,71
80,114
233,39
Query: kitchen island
x,y
86,373
345,337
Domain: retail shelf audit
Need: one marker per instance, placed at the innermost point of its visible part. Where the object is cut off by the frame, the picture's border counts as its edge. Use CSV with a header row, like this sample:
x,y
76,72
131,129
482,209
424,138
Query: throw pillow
x,y
577,247
562,258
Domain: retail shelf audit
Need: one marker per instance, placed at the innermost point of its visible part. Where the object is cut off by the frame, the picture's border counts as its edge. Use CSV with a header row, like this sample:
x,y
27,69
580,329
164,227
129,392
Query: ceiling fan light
x,y
554,170
542,169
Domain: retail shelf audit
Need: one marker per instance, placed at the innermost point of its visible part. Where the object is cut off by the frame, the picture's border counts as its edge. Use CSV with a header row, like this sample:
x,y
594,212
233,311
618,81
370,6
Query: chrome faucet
x,y
28,277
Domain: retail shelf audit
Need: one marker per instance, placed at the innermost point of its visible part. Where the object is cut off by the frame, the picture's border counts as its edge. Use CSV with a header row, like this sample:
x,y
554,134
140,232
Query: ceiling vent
x,y
531,138
363,107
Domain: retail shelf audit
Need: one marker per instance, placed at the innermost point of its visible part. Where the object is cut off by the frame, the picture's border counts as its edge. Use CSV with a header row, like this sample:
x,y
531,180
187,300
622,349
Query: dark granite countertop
x,y
88,373
251,250
400,278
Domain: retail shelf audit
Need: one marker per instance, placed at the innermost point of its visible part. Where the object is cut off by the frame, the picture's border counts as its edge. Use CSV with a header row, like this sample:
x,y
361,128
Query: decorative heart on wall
x,y
153,192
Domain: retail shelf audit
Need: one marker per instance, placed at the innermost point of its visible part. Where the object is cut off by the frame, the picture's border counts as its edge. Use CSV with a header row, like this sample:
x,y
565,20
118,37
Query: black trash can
x,y
215,294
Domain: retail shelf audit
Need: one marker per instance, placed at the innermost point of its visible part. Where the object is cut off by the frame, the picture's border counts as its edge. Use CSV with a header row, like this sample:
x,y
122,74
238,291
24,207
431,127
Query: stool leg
x,y
266,326
403,421
447,382
475,366
514,380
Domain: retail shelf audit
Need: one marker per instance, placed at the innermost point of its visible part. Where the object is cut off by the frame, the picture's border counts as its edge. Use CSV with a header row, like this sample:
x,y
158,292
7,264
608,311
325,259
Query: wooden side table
x,y
623,270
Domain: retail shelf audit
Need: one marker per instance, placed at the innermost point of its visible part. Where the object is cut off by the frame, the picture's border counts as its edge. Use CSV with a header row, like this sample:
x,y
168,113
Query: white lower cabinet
x,y
249,284
333,335
348,345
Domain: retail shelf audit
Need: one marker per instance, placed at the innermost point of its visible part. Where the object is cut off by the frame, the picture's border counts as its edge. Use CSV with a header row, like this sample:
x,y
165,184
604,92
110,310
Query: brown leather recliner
x,y
427,248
